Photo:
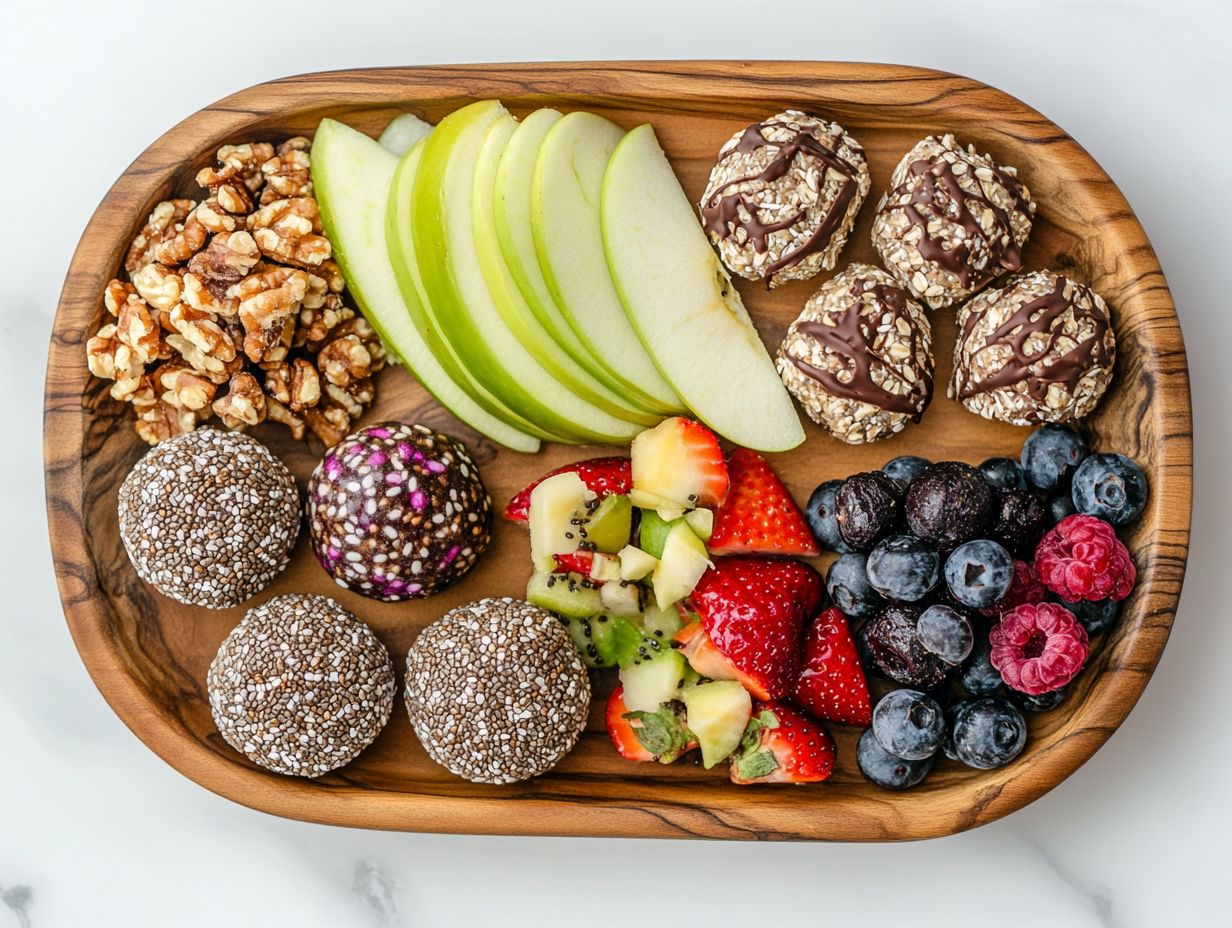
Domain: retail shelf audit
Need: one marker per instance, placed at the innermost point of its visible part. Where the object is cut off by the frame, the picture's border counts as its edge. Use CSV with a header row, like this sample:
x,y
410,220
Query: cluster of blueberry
x,y
979,591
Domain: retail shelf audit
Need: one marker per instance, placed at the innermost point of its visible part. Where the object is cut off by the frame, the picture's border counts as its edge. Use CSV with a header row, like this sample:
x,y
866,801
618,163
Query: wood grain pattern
x,y
148,655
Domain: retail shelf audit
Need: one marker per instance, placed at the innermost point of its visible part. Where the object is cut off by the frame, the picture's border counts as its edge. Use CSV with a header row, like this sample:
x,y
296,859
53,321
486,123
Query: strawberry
x,y
831,686
782,746
646,736
753,611
759,515
606,476
709,661
678,464
579,562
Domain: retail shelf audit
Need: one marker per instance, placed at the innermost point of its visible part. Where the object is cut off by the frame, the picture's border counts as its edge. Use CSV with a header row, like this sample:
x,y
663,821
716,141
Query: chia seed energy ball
x,y
301,686
859,358
1040,349
952,221
398,512
209,518
496,691
783,196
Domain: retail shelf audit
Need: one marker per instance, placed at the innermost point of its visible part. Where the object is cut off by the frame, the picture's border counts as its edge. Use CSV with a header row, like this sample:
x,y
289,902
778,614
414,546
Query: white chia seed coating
x,y
398,512
496,691
301,686
209,518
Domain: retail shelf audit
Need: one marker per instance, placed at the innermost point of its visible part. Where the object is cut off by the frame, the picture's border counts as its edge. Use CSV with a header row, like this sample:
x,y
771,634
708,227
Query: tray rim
x,y
558,813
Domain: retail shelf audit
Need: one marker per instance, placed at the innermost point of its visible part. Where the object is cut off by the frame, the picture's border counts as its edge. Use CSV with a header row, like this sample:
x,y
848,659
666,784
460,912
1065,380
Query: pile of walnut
x,y
233,308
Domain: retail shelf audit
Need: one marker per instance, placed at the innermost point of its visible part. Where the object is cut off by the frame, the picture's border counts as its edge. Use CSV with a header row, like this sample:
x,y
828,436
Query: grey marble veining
x,y
18,899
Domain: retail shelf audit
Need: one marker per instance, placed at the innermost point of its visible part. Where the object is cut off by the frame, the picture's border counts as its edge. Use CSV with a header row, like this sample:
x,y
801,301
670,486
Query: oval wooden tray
x,y
148,655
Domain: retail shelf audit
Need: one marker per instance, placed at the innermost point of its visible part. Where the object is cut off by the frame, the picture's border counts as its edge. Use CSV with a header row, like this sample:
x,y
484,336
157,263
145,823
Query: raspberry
x,y
1024,588
1082,559
1038,647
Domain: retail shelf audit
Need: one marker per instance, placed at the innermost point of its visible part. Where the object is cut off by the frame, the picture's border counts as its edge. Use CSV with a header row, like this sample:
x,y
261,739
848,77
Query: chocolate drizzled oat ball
x,y
209,518
952,221
783,196
496,691
301,686
1040,349
398,512
859,357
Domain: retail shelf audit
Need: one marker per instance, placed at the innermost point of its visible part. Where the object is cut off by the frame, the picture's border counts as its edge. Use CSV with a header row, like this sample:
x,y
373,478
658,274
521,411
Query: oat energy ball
x,y
783,196
1040,349
952,221
301,686
859,358
496,691
209,518
398,512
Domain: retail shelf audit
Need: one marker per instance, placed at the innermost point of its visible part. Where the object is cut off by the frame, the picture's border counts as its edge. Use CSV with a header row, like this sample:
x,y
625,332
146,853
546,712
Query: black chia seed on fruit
x,y
300,686
209,518
398,512
496,691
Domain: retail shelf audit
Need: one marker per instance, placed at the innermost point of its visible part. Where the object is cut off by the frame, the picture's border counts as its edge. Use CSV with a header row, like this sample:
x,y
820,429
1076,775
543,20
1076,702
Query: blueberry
x,y
1060,507
909,724
819,513
848,586
867,506
1018,521
1110,486
1096,617
986,733
1041,702
1050,455
904,469
884,769
1004,474
979,677
903,568
945,632
978,573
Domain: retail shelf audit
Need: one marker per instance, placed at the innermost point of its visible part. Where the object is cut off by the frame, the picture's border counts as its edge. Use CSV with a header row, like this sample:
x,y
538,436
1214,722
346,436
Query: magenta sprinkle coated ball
x,y
398,512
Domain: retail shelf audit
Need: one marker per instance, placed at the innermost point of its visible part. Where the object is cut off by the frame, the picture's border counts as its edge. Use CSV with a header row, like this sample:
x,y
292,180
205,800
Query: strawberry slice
x,y
645,736
759,515
678,463
782,746
605,476
832,685
697,648
579,562
753,611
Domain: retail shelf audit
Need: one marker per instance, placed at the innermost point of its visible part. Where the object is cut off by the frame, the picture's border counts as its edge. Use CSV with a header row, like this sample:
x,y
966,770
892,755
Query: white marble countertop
x,y
96,831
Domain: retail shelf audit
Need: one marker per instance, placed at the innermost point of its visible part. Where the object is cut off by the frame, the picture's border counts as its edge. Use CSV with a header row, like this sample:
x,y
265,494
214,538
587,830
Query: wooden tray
x,y
148,655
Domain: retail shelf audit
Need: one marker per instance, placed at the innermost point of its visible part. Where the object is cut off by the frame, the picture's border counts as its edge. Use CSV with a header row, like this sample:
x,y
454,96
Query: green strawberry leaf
x,y
659,732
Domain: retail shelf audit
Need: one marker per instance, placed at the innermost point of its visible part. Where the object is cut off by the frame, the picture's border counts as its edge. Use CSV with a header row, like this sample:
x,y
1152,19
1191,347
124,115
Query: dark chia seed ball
x,y
949,503
398,512
209,518
301,686
1019,520
896,651
868,507
496,691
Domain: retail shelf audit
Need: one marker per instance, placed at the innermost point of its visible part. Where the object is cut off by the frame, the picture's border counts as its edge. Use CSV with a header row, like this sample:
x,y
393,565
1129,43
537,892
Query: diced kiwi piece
x,y
717,714
582,631
650,683
654,532
609,526
661,623
621,598
570,595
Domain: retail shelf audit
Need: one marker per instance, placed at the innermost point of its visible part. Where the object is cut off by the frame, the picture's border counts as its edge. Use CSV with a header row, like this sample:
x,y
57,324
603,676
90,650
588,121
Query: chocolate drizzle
x,y
936,176
1038,317
721,210
852,337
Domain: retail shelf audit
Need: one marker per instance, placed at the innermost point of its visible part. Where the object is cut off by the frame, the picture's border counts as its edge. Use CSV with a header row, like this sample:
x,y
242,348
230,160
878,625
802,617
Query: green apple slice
x,y
717,714
440,203
404,132
401,254
683,305
565,224
351,175
508,298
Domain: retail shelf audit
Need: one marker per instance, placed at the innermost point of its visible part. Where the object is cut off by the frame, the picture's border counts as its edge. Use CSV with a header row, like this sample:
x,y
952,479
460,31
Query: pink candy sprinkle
x,y
405,451
333,467
377,458
436,467
379,431
393,476
418,499
449,557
